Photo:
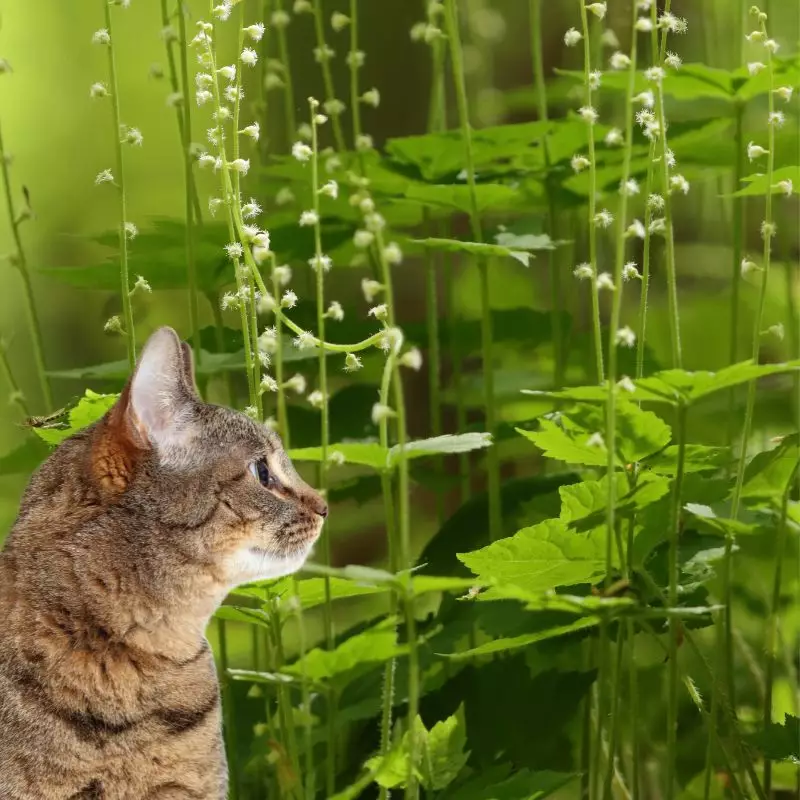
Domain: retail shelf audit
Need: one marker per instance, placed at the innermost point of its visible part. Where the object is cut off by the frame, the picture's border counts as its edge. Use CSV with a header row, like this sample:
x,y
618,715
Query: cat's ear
x,y
162,398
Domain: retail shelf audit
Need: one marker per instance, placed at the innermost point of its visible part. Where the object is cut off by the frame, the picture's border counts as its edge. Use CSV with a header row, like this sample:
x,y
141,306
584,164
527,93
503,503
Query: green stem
x,y
615,721
641,333
587,66
327,76
283,417
556,292
185,126
633,700
674,623
21,262
288,90
492,457
219,330
127,308
16,393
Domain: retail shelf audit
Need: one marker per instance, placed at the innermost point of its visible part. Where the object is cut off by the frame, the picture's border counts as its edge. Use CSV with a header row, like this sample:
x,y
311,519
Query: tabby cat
x,y
128,538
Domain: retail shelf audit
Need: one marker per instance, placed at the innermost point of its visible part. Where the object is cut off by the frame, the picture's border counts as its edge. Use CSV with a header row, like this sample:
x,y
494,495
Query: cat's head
x,y
215,485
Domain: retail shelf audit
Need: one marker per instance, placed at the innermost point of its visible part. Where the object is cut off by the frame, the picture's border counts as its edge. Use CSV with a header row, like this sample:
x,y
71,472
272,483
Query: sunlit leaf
x,y
90,408
476,249
570,447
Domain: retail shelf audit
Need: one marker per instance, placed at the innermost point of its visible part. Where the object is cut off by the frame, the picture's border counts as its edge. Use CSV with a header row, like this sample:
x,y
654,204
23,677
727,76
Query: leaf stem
x,y
127,308
492,457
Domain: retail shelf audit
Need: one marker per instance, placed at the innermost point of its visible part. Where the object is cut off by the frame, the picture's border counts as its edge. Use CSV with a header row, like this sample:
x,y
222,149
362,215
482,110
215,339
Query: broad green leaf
x,y
493,197
779,742
443,755
449,443
90,408
538,558
312,590
249,616
368,454
475,249
559,444
351,657
759,184
521,785
705,518
525,241
768,474
697,458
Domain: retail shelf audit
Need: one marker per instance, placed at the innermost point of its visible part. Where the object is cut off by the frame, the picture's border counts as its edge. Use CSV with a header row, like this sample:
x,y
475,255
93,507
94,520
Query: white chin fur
x,y
250,565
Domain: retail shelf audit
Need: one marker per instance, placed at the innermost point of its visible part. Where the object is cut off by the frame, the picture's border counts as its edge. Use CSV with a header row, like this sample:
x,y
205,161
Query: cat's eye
x,y
260,471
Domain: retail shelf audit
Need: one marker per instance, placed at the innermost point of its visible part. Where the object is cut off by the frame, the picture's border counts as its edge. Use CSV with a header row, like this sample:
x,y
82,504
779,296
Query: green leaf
x,y
493,197
90,408
569,445
767,476
475,249
697,458
521,785
24,458
351,657
779,742
447,444
759,184
367,454
538,558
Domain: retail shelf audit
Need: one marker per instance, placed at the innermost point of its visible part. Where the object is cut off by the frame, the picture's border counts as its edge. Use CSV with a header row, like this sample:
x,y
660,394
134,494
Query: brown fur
x,y
128,538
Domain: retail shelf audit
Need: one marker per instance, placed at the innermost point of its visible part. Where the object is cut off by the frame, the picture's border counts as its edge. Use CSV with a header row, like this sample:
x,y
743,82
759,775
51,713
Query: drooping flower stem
x,y
327,77
127,307
587,68
192,204
21,263
492,457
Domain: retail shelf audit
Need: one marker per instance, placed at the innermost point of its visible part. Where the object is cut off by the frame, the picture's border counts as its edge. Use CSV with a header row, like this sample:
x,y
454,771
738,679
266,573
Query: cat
x,y
128,538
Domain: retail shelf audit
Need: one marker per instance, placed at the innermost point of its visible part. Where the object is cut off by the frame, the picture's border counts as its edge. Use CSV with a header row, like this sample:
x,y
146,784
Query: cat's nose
x,y
317,505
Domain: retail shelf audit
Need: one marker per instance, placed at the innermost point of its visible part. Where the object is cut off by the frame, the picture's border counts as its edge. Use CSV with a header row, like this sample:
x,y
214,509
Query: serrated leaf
x,y
521,785
556,443
90,408
779,742
538,558
697,458
768,474
475,249
443,754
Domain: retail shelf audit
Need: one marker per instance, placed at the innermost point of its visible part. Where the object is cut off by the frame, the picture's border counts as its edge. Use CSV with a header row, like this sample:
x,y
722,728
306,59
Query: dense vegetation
x,y
577,558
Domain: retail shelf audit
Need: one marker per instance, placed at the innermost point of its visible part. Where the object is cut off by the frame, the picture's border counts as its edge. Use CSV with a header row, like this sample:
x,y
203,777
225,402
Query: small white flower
x,y
324,53
626,384
370,289
207,160
104,177
363,239
255,31
381,412
364,143
98,89
316,399
339,21
772,46
352,362
268,341
630,271
213,204
596,440
253,131
304,341
228,300
572,37
391,340
320,261
268,384
679,184
778,331
412,359
308,218
625,337
223,11
241,165
393,254
673,61
284,197
234,250
747,266
636,228
222,114
141,285
644,5
335,457
113,325
251,209
249,57
654,74
380,312
776,118
754,67
335,311
580,163
330,189
297,384
787,187
614,138
365,203
655,202
228,73
301,151
251,411
784,92
233,94
605,281
672,23
630,187
101,37
588,114
648,100
374,222
644,25
280,19
755,36
755,151
174,99
333,164
355,59
598,9
282,275
133,136
595,78
658,225
131,231
320,119
768,229
266,305
583,272
372,97
620,61
604,218
203,80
